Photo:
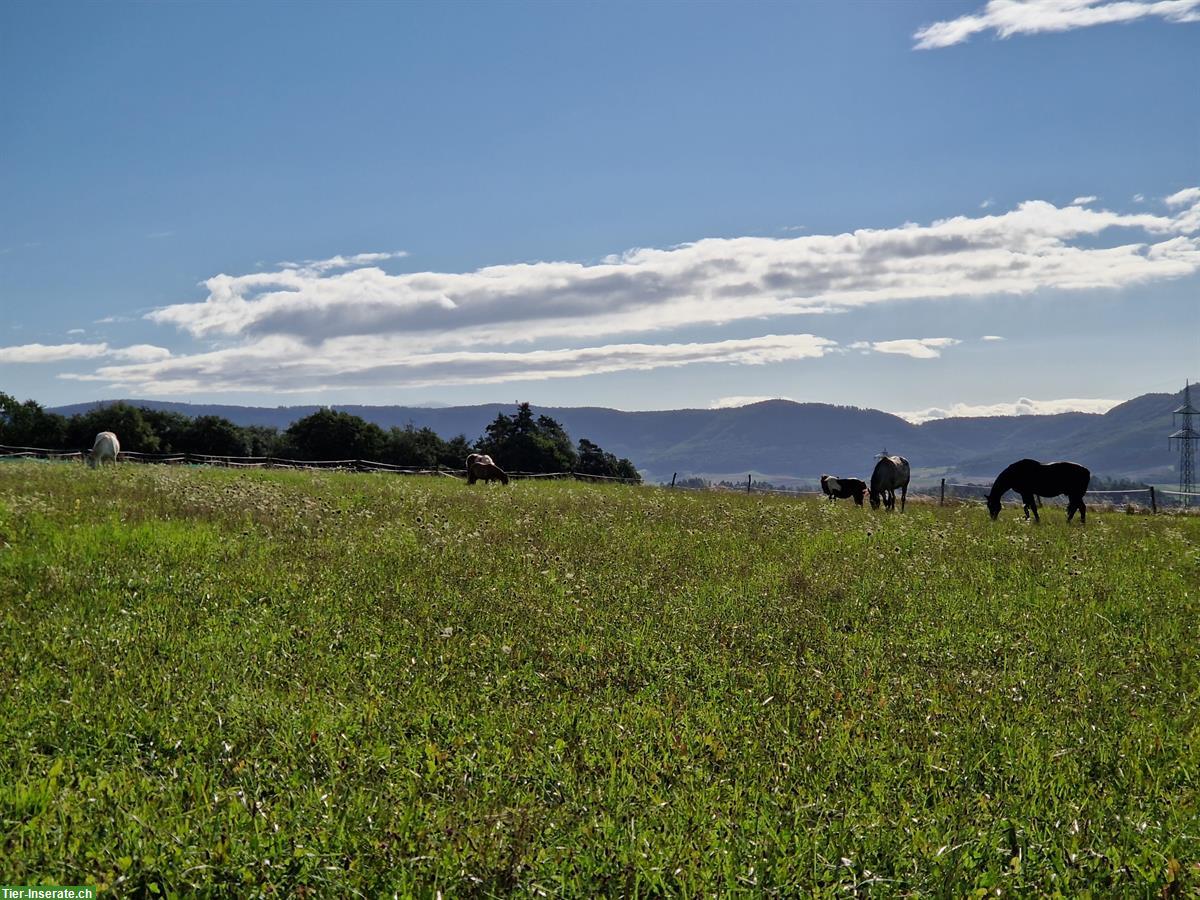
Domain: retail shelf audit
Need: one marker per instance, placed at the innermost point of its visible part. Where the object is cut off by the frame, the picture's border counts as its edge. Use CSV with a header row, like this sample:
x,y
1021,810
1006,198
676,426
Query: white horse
x,y
106,447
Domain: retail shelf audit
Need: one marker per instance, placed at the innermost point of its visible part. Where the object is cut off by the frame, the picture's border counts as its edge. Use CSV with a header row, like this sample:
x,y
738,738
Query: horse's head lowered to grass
x,y
480,465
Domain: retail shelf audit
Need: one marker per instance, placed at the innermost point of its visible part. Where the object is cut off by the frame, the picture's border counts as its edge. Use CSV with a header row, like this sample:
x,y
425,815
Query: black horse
x,y
890,473
1032,479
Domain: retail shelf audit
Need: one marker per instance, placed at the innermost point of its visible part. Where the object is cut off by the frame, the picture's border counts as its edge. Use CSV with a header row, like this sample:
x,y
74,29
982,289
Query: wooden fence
x,y
1151,493
280,462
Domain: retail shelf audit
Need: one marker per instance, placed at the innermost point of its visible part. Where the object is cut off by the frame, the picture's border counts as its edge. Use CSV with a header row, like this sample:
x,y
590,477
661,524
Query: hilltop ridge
x,y
785,440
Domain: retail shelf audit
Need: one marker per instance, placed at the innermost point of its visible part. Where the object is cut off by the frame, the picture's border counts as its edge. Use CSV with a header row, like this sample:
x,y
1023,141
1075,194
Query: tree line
x,y
520,442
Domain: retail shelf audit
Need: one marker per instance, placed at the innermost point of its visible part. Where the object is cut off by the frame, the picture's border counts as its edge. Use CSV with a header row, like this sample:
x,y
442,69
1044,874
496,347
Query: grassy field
x,y
316,684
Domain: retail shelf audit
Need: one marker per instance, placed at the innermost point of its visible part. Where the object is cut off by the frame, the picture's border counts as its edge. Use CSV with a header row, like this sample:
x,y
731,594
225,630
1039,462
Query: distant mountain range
x,y
783,442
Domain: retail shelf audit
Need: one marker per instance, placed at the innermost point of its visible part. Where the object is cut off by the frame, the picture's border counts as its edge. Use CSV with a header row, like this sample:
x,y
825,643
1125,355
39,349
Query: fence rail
x,y
368,465
281,462
1152,492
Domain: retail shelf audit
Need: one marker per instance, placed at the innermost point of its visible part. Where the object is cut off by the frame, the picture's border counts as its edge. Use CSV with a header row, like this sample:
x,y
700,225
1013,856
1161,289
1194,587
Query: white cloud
x,y
140,353
1084,201
988,203
282,364
342,262
731,402
1186,196
991,337
345,321
711,281
43,353
1022,407
1189,217
917,348
75,331
1139,198
1009,17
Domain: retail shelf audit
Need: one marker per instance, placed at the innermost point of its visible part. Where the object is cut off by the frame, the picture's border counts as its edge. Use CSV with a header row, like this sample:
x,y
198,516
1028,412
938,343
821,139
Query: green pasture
x,y
315,684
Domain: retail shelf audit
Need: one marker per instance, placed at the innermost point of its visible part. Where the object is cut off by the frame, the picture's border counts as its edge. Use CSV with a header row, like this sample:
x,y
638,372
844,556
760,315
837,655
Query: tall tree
x,y
456,451
330,434
524,444
212,434
127,422
595,460
29,425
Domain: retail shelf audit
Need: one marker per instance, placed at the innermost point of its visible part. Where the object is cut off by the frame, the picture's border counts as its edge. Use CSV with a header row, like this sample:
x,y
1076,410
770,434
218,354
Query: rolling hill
x,y
785,441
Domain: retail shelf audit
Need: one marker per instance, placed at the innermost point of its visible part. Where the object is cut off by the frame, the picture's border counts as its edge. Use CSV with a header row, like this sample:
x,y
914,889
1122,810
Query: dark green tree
x,y
328,434
127,422
409,446
212,434
521,443
262,440
29,425
594,460
171,429
455,452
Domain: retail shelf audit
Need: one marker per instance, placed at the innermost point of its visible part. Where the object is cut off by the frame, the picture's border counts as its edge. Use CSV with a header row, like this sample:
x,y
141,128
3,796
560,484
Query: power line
x,y
1187,437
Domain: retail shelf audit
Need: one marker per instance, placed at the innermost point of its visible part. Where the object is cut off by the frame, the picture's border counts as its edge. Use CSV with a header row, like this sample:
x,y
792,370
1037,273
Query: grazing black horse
x,y
841,488
890,473
1032,479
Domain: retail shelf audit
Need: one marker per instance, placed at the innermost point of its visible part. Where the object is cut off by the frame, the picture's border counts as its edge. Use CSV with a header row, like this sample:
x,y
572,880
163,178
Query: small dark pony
x,y
480,465
1032,479
890,473
841,488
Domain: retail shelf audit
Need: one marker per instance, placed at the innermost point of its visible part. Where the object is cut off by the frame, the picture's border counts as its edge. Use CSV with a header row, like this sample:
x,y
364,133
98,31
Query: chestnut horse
x,y
480,465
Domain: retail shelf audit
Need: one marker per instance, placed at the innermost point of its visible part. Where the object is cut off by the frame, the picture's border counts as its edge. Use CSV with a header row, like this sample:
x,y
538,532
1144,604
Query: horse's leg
x,y
903,496
1034,500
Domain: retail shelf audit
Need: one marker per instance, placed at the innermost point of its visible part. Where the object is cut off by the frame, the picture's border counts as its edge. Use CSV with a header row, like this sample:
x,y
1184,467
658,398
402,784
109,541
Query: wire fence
x,y
937,494
956,491
1149,493
280,462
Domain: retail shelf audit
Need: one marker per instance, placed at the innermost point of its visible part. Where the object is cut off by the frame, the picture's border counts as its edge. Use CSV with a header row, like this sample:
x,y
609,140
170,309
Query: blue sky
x,y
630,205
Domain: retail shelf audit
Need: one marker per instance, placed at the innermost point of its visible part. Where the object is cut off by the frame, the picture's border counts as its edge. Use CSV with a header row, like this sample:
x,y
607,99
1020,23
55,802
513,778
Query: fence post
x,y
942,501
673,474
1153,503
748,479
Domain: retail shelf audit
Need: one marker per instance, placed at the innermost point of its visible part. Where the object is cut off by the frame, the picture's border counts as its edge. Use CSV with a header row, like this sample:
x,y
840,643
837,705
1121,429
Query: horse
x,y
841,488
480,465
105,447
1032,479
890,473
